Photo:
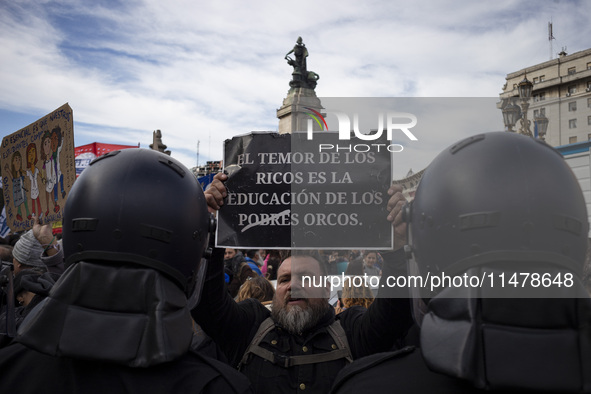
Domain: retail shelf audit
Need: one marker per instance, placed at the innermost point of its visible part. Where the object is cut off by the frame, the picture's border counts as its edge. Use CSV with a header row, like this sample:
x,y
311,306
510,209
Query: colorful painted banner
x,y
38,169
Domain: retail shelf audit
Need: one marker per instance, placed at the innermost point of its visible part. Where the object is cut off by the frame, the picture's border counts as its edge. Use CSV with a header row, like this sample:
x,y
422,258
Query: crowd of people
x,y
133,299
243,265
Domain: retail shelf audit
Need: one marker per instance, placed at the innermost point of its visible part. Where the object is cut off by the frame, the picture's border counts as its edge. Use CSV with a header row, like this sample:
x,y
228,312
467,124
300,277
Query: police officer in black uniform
x,y
507,207
136,227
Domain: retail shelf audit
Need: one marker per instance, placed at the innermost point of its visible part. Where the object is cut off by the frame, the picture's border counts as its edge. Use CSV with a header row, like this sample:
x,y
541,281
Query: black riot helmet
x,y
497,197
138,206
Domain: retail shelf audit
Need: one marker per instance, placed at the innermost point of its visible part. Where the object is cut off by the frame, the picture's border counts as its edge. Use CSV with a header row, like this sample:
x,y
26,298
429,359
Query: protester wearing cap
x,y
27,253
38,248
53,255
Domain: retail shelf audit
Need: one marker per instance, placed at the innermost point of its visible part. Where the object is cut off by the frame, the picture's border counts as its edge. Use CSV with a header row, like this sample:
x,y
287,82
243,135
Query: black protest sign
x,y
256,212
342,204
286,191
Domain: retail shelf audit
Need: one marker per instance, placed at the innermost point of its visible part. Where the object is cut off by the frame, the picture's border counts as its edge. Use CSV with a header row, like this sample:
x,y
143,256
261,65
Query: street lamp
x,y
541,123
525,88
511,113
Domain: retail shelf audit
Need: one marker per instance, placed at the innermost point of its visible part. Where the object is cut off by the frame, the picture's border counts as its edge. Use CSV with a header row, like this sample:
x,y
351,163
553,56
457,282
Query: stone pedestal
x,y
293,116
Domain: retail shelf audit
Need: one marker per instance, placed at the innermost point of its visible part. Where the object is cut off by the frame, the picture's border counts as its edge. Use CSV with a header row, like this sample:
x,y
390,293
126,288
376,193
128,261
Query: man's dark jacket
x,y
233,325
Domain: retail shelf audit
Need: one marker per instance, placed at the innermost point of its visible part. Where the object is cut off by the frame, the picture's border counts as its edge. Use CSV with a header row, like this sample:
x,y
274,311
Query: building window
x,y
572,106
542,78
572,89
589,66
572,140
589,86
589,137
572,71
540,96
539,112
589,120
572,124
589,103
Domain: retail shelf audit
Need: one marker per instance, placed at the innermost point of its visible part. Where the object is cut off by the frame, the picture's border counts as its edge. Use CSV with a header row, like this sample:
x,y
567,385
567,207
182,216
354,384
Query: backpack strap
x,y
337,333
266,326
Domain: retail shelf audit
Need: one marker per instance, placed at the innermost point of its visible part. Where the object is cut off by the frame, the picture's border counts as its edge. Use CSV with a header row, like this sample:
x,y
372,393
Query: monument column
x,y
301,98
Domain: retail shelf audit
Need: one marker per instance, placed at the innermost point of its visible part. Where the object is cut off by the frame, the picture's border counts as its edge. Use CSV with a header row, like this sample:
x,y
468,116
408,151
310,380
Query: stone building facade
x,y
561,92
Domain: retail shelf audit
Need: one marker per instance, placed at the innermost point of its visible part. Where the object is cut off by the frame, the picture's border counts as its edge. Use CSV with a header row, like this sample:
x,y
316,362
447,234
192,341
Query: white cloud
x,y
206,71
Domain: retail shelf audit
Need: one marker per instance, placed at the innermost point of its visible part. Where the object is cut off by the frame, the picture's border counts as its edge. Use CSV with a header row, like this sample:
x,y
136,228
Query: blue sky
x,y
207,71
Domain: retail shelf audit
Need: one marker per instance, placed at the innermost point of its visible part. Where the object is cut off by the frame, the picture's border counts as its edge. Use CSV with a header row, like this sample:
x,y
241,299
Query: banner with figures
x,y
38,169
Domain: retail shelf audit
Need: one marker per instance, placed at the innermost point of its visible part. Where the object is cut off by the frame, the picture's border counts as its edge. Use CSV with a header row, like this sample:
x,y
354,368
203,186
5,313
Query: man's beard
x,y
296,319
